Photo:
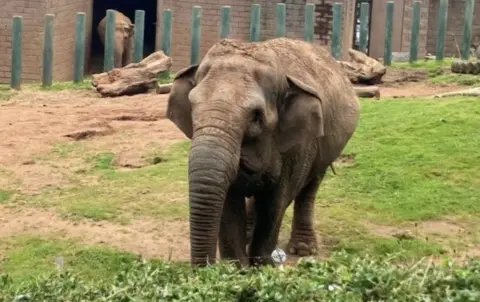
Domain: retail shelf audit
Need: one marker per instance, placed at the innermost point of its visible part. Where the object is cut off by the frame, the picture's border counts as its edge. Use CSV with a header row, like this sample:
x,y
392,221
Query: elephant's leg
x,y
128,52
232,240
250,203
270,209
118,59
303,241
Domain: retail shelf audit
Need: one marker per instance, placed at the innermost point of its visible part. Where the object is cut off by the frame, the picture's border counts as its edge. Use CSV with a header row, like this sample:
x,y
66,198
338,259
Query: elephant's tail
x,y
333,169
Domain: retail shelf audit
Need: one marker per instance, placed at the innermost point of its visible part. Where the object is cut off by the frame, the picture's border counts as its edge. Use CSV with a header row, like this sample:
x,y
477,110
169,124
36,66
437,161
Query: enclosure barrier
x,y
225,31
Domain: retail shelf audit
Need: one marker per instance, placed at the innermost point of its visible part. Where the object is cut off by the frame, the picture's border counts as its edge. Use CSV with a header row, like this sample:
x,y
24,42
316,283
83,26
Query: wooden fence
x,y
195,55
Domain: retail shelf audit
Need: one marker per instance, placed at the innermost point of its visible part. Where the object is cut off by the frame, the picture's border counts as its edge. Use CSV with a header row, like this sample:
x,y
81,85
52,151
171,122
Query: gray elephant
x,y
266,120
124,38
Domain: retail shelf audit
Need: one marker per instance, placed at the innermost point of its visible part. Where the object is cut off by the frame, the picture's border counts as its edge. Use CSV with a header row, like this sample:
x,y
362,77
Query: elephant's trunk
x,y
213,164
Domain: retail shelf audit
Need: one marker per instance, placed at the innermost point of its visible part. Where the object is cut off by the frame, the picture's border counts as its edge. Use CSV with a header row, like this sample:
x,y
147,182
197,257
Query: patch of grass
x,y
4,196
6,92
344,278
415,160
27,258
424,64
165,78
159,190
59,86
439,72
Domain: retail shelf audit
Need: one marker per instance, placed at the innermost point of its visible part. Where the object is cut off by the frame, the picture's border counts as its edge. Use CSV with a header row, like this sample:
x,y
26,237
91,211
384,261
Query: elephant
x,y
265,119
124,40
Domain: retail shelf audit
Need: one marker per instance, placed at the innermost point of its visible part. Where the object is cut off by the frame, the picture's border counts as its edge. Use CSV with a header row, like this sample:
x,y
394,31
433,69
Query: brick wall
x,y
455,19
407,26
32,12
64,41
240,23
323,21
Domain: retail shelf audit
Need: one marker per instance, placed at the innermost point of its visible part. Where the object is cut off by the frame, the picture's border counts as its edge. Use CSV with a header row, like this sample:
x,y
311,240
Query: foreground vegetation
x,y
344,278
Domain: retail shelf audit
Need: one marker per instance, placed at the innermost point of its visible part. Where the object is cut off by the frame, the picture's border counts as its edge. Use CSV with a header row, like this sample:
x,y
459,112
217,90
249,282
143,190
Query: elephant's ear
x,y
300,115
179,109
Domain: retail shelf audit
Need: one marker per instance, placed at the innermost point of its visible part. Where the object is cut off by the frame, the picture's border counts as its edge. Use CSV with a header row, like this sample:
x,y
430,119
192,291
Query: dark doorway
x,y
356,30
127,7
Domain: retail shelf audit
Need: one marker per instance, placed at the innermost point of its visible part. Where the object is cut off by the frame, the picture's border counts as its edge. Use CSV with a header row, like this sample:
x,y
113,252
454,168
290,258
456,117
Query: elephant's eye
x,y
256,123
257,116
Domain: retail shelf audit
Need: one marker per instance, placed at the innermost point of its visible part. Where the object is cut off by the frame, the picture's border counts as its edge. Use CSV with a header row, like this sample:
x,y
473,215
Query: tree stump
x,y
361,69
134,78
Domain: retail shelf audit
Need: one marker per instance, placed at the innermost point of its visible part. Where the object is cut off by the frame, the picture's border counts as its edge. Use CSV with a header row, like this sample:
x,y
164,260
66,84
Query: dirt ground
x,y
33,122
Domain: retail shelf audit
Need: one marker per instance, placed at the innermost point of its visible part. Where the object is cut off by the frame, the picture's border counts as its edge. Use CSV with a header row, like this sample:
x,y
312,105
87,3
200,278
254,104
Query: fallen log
x,y
464,92
362,69
367,91
133,78
164,88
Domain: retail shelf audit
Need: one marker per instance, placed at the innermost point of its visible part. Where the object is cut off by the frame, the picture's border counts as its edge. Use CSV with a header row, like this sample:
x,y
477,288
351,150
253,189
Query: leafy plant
x,y
344,278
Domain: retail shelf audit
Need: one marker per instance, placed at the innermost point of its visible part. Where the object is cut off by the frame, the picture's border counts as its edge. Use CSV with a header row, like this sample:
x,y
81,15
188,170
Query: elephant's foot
x,y
303,245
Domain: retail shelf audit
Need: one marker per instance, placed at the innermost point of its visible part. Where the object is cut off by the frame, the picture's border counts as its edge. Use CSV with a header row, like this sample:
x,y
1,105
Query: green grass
x,y
158,190
27,258
414,160
439,72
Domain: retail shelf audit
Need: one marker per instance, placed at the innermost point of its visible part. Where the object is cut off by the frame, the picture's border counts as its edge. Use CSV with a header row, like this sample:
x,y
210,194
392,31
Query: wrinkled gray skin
x,y
124,38
266,120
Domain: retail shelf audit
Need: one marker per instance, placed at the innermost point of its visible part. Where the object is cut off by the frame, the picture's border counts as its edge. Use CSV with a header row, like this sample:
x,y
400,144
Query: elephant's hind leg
x,y
303,241
233,229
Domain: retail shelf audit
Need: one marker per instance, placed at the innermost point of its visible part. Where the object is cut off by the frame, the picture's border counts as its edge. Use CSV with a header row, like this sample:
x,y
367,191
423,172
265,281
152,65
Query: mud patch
x,y
167,239
36,122
417,230
346,160
142,118
447,232
400,76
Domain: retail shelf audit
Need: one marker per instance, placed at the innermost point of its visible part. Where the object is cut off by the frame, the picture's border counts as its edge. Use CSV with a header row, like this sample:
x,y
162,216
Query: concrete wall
x,y
33,12
455,20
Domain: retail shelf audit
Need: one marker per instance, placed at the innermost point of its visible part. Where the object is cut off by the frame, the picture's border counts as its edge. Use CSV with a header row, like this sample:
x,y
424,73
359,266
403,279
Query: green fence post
x,y
79,63
442,30
255,23
139,35
467,29
415,32
308,26
225,22
364,16
109,54
167,32
47,66
337,30
281,15
387,57
196,35
17,52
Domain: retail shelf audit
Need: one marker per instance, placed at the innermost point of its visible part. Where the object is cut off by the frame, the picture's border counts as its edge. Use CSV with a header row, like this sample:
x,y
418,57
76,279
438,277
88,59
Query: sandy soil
x,y
32,123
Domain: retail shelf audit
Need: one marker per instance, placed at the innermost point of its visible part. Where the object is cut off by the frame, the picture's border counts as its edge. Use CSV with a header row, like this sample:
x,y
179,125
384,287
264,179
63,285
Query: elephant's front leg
x,y
303,241
251,215
270,209
233,229
118,58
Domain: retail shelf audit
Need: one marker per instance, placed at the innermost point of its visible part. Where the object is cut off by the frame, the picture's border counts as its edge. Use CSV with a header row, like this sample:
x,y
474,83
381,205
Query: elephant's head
x,y
239,110
125,32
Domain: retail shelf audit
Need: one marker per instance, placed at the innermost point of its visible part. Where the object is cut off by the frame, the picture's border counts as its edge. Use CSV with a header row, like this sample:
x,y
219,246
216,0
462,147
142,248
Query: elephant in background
x,y
266,120
124,38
